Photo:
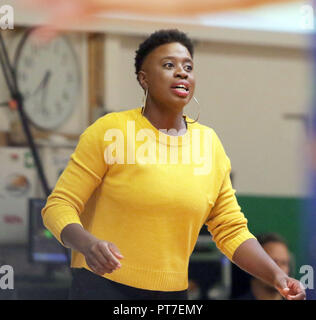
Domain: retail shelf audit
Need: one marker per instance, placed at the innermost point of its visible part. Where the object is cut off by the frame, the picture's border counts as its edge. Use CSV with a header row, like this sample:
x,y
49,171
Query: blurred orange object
x,y
13,104
64,14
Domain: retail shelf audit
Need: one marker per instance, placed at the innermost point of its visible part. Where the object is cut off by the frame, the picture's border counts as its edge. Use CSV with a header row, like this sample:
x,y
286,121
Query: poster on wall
x,y
17,184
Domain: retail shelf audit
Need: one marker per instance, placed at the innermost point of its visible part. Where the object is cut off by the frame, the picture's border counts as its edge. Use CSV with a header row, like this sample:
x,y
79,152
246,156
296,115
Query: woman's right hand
x,y
102,257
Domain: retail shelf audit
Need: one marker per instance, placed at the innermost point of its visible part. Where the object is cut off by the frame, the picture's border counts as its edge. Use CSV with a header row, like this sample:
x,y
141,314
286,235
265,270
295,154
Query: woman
x,y
137,191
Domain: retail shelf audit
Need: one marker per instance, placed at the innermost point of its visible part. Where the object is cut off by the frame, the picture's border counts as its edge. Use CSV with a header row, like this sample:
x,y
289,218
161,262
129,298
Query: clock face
x,y
48,77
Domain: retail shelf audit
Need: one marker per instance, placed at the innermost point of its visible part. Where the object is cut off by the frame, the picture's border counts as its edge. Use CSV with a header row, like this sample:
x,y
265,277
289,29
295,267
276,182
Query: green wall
x,y
276,214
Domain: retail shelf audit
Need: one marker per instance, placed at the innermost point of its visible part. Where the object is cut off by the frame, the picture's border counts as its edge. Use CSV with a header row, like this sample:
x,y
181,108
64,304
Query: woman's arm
x,y
83,174
251,257
101,256
229,229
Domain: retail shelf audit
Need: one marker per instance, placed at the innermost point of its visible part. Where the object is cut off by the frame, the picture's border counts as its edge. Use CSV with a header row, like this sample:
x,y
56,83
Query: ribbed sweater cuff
x,y
55,220
230,246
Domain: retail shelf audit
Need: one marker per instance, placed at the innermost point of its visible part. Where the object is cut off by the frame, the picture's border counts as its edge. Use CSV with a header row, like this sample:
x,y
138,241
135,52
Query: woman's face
x,y
167,73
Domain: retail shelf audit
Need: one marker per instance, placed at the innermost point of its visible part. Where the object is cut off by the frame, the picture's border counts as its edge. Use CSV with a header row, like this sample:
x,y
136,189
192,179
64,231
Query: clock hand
x,y
44,92
43,82
48,74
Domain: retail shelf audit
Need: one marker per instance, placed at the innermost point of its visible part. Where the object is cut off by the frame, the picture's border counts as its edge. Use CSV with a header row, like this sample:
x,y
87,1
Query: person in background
x,y
276,247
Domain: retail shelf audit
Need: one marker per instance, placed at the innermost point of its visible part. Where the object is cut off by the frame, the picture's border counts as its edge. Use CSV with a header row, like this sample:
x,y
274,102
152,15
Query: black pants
x,y
86,285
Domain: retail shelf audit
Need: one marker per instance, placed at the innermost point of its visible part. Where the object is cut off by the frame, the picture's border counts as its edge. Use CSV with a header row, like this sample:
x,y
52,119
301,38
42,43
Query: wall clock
x,y
49,79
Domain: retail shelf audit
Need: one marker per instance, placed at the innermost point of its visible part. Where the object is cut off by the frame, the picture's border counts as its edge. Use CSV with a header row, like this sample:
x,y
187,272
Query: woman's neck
x,y
165,119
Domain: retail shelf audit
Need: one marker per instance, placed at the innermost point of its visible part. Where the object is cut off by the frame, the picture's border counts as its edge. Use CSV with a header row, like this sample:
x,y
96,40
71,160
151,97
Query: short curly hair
x,y
157,39
264,238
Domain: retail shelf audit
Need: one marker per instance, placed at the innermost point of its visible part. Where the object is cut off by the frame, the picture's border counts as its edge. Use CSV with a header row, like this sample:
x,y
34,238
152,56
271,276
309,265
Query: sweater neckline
x,y
166,139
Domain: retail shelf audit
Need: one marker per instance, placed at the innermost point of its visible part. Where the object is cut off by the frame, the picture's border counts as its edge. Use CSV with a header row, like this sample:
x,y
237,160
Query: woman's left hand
x,y
290,289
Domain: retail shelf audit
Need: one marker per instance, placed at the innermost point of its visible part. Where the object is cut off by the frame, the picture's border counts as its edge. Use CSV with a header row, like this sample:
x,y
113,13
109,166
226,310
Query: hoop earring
x,y
144,101
196,100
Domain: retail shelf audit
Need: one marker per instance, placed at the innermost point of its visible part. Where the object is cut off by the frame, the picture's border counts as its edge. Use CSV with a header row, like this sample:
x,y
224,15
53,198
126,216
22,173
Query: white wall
x,y
248,90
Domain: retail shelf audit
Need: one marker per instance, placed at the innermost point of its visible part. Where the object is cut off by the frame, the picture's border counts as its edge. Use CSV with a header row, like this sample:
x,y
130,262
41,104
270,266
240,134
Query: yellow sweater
x,y
149,193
